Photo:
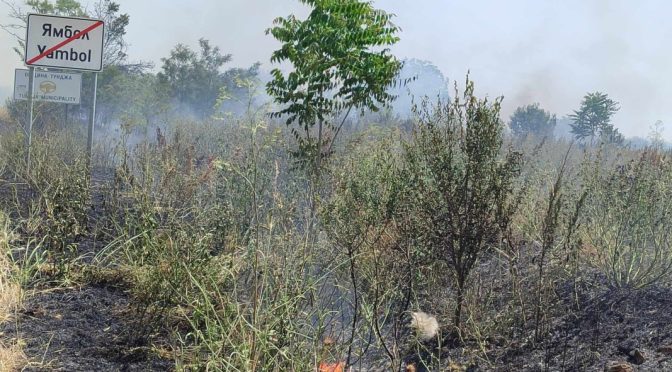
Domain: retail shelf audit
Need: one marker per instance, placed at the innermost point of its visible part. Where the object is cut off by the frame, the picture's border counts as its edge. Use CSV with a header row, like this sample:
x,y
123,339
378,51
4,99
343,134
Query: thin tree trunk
x,y
353,278
318,160
458,306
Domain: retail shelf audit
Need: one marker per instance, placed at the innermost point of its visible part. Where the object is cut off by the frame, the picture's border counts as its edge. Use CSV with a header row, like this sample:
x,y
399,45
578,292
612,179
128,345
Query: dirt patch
x,y
81,330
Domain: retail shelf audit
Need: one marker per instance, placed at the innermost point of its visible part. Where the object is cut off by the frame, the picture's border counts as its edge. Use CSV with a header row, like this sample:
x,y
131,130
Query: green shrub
x,y
364,221
628,219
461,185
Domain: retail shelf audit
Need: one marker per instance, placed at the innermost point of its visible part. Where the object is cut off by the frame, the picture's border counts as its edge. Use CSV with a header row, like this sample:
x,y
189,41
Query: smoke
x,y
236,26
549,52
526,50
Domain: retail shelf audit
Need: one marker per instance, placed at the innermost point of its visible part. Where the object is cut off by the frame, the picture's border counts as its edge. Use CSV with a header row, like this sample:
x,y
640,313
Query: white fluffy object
x,y
425,325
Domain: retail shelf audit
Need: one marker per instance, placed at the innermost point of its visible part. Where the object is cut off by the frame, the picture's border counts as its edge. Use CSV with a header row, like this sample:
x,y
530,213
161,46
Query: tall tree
x,y
115,46
341,61
532,120
242,92
593,119
134,96
195,79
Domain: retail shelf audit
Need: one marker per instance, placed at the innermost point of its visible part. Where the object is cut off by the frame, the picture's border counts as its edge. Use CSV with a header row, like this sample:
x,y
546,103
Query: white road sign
x,y
59,87
64,42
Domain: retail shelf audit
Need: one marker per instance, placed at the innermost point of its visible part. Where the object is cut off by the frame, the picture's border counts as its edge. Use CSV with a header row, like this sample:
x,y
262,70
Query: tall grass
x,y
11,355
243,261
629,213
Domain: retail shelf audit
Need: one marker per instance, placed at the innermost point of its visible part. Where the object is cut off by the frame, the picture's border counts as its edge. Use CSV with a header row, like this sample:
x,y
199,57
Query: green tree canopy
x,y
133,95
340,62
242,92
70,8
593,119
195,79
532,120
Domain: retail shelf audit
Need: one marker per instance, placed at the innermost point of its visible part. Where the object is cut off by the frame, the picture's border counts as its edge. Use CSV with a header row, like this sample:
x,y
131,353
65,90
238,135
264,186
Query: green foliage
x,y
359,219
207,228
114,44
194,79
532,120
341,61
593,119
610,134
65,203
134,96
62,186
212,246
365,198
460,185
240,93
628,214
70,8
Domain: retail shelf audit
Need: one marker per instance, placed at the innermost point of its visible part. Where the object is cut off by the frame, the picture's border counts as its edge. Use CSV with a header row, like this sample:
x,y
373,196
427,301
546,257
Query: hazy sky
x,y
551,51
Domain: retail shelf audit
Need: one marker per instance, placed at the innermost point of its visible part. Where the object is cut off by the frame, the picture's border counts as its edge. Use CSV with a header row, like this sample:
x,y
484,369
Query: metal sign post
x,y
92,122
29,124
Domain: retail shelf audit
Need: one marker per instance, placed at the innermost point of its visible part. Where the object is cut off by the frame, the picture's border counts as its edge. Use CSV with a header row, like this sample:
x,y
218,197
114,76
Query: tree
x,y
114,51
424,80
593,119
133,95
532,120
341,61
195,79
610,134
462,188
242,92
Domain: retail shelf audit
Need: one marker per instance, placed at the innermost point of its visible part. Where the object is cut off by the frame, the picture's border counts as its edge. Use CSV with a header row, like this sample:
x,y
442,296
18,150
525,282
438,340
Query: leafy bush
x,y
628,215
364,219
460,184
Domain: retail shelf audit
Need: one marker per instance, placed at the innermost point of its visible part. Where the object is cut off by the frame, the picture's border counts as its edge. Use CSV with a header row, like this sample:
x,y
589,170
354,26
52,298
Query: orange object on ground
x,y
332,367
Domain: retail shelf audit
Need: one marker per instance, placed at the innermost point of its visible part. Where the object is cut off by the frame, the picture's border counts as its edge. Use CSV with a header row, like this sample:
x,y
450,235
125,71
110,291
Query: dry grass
x,y
4,115
11,358
11,355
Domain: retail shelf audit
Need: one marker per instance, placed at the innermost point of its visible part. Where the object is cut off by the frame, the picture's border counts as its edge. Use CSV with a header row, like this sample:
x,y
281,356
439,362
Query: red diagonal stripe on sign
x,y
65,42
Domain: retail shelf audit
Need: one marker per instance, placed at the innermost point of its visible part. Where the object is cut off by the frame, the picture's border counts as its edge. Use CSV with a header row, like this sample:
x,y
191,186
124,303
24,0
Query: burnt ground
x,y
85,328
81,329
632,327
88,328
629,330
589,326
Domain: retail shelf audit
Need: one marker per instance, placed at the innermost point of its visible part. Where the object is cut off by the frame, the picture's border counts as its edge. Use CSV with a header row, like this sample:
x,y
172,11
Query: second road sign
x,y
58,87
